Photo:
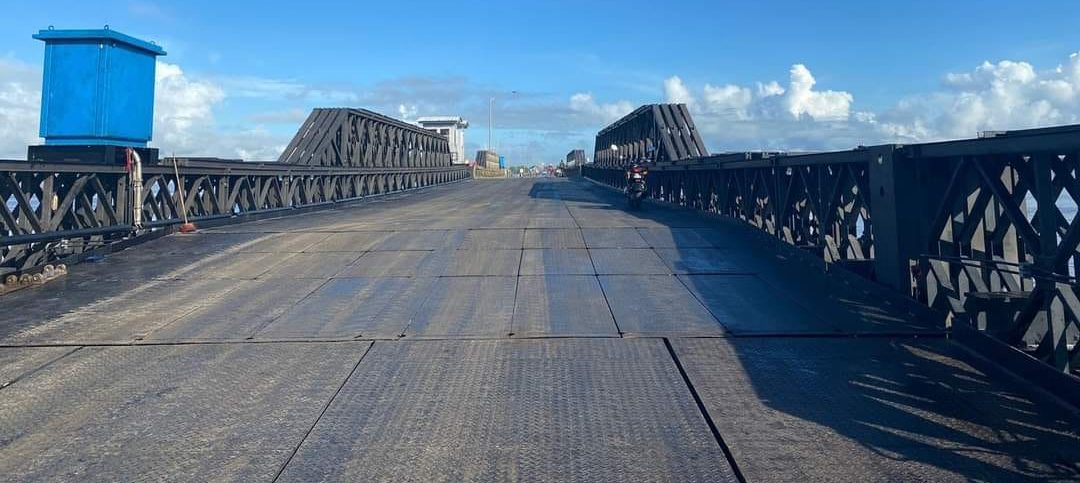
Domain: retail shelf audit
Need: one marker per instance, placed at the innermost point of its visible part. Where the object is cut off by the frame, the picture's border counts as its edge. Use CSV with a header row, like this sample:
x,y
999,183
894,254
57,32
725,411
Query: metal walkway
x,y
498,330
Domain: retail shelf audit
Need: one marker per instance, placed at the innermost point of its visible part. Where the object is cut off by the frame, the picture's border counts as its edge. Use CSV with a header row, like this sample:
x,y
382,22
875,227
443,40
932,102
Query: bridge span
x,y
424,336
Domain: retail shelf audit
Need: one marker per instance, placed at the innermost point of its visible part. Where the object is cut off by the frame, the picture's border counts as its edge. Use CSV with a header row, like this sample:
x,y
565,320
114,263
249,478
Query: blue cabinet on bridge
x,y
98,88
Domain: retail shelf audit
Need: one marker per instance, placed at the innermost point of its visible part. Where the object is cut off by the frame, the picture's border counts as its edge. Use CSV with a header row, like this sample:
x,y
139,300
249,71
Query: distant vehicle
x,y
635,185
559,173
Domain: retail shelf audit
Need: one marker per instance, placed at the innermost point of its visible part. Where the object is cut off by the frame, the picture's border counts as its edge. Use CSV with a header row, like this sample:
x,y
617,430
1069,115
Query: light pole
x,y
491,117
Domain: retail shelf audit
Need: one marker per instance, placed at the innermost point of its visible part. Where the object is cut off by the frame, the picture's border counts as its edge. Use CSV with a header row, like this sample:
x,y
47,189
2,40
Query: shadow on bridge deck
x,y
505,330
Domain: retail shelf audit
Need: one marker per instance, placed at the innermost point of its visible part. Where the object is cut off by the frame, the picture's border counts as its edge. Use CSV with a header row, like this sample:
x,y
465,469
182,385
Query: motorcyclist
x,y
635,183
636,168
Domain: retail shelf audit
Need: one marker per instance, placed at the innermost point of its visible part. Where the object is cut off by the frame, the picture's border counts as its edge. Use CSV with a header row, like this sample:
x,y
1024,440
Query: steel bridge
x,y
363,311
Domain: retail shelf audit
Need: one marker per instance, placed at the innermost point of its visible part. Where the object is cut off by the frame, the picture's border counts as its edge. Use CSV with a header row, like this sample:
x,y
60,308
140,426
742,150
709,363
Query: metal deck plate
x,y
561,306
613,238
484,262
386,264
120,318
229,266
797,409
200,243
561,399
26,309
312,265
465,307
745,305
849,305
493,239
552,222
554,238
197,412
16,362
656,305
599,216
554,410
352,307
422,240
249,307
135,265
703,260
203,243
282,243
353,241
556,262
640,261
674,238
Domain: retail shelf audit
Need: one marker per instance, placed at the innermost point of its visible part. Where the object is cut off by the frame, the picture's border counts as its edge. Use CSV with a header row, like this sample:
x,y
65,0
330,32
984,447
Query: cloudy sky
x,y
241,75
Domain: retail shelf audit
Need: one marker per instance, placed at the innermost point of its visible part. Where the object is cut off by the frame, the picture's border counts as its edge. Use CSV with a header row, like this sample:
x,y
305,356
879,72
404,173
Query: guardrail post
x,y
1055,339
899,217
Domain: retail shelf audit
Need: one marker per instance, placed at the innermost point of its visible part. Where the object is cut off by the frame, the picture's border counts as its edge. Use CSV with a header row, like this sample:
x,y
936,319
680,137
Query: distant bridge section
x,y
359,138
654,132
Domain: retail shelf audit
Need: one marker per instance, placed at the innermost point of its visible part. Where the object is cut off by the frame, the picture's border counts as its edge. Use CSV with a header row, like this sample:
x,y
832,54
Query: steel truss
x,y
983,229
815,202
655,132
358,138
1002,237
61,209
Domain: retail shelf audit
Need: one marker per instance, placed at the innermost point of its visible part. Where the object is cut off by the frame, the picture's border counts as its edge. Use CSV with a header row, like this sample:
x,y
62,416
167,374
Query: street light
x,y
491,117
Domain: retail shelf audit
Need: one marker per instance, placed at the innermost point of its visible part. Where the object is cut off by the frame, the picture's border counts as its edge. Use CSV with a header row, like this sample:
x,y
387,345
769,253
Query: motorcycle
x,y
635,185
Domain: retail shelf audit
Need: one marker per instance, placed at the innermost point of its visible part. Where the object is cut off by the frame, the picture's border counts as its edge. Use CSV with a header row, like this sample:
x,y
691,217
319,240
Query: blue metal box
x,y
98,88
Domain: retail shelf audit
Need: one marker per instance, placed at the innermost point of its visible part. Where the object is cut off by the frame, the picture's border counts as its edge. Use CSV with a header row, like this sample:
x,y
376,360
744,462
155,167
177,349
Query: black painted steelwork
x,y
812,201
60,209
655,132
576,157
982,229
358,138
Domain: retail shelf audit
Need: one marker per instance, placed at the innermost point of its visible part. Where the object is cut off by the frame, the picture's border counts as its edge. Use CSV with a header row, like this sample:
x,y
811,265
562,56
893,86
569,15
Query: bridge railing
x,y
917,217
57,210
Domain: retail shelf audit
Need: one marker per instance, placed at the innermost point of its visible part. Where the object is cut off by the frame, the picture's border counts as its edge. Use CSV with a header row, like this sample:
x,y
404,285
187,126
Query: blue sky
x,y
241,75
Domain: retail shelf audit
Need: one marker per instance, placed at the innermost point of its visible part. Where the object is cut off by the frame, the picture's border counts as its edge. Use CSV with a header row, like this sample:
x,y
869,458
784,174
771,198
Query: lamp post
x,y
491,118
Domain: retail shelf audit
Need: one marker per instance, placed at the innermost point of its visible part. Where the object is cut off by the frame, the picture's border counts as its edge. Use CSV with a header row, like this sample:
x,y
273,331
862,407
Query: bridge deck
x,y
500,330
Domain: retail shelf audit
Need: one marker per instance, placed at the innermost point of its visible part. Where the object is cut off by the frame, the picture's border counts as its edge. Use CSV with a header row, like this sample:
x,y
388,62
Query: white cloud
x,y
730,99
407,112
583,103
185,122
993,96
20,101
769,100
183,108
1004,95
260,87
802,100
793,114
294,117
676,91
770,115
768,89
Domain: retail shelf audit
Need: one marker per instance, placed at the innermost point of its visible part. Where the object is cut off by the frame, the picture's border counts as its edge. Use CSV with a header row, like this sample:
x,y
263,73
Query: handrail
x,y
47,202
